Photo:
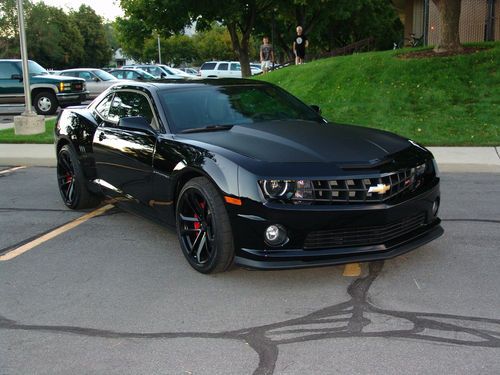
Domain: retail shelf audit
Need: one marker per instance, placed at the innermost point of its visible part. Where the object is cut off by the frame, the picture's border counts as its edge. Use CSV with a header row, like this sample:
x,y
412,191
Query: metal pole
x,y
159,50
24,58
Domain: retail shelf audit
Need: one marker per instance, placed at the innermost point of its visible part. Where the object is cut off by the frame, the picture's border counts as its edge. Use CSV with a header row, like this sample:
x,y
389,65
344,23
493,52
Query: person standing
x,y
266,55
300,43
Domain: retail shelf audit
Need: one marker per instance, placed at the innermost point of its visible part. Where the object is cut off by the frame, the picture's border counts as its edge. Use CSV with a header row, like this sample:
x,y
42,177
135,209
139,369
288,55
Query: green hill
x,y
435,101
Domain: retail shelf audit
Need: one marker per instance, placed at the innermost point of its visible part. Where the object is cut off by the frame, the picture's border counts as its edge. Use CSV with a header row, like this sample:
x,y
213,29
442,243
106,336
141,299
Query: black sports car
x,y
248,174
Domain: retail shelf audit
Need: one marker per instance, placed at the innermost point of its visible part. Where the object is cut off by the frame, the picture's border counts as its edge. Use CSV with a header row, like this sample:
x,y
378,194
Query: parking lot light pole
x,y
159,50
28,122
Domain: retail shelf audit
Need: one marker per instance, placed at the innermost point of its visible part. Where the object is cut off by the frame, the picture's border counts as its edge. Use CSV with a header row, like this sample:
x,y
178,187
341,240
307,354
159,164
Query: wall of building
x,y
472,21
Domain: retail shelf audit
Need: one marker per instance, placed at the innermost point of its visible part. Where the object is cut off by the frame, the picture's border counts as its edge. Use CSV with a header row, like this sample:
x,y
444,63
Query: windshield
x,y
199,107
34,68
105,76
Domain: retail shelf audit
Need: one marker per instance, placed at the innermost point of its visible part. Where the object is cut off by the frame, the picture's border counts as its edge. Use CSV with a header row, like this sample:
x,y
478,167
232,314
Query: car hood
x,y
303,142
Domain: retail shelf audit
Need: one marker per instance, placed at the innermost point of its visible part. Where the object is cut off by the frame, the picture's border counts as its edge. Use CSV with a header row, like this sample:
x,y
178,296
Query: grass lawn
x,y
8,136
445,101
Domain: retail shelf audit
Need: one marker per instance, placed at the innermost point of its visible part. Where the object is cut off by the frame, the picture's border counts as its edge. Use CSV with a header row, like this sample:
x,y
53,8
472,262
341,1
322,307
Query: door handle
x,y
102,136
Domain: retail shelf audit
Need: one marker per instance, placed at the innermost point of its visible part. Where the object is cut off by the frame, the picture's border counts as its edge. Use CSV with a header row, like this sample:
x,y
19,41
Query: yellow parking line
x,y
56,232
12,169
352,270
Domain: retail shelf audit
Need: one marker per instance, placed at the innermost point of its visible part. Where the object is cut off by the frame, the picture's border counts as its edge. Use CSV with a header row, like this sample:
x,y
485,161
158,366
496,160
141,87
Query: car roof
x,y
79,69
166,84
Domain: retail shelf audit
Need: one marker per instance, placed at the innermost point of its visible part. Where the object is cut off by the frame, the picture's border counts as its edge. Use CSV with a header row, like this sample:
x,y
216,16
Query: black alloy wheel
x,y
203,227
71,181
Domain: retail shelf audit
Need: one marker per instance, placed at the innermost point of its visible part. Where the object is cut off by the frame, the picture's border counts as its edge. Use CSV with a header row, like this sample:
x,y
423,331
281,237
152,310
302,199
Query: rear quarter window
x,y
208,66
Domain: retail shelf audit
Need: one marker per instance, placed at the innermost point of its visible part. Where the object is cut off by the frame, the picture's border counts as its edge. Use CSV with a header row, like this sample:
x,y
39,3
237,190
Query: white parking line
x,y
5,171
56,232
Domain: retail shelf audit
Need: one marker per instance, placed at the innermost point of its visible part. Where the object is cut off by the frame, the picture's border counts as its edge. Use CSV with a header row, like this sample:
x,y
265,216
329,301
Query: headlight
x,y
300,191
278,188
304,190
420,169
64,86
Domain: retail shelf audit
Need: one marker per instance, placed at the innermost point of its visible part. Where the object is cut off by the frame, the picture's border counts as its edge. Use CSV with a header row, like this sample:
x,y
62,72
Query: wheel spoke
x,y
66,165
71,190
200,247
189,218
188,231
196,242
194,204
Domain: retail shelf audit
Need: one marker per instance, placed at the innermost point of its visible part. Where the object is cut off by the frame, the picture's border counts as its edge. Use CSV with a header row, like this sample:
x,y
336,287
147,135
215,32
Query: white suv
x,y
224,69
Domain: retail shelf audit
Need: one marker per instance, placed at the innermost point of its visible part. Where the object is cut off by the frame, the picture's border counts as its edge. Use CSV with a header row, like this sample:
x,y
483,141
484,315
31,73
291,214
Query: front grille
x,y
362,236
357,190
77,86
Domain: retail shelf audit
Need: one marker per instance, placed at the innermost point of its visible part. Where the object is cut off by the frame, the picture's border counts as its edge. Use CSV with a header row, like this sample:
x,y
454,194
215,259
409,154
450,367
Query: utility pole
x,y
159,50
28,122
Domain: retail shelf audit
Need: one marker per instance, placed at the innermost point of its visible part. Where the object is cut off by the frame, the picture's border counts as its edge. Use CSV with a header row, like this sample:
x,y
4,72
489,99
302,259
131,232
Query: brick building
x,y
479,20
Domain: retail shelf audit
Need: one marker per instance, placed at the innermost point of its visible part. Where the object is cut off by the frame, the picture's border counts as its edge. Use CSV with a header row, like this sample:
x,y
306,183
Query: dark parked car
x,y
47,91
248,174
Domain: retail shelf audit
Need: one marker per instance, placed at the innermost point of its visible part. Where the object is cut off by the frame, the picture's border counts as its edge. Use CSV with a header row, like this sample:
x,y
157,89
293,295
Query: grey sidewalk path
x,y
471,159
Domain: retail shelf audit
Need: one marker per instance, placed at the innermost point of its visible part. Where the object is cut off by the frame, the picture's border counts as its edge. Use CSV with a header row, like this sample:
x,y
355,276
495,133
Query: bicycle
x,y
412,41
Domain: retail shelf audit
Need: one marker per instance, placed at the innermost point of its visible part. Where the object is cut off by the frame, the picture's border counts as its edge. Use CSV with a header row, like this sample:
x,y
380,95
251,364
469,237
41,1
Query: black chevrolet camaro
x,y
248,174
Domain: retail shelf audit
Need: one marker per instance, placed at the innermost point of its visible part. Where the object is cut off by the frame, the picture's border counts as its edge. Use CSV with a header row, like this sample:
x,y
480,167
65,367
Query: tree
x,y
449,14
97,51
172,16
53,39
9,31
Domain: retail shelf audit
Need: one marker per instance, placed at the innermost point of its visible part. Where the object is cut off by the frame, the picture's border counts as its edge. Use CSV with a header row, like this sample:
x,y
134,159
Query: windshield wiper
x,y
209,128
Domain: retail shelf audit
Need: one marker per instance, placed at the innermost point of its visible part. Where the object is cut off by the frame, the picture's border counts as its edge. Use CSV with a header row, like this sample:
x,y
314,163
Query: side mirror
x,y
137,123
316,109
163,75
19,77
95,79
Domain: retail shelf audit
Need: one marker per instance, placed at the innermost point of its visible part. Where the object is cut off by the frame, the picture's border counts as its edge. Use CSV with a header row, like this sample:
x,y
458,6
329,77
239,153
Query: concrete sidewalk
x,y
471,159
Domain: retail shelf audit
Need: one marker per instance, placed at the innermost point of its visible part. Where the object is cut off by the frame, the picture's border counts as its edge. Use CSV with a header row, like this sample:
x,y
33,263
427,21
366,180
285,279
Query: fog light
x,y
435,207
275,235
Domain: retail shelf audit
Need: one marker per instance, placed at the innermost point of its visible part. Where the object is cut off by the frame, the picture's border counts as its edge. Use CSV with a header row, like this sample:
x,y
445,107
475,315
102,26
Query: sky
x,y
109,9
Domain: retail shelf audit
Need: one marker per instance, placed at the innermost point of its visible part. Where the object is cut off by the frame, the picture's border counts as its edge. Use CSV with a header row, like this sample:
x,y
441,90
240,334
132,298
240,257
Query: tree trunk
x,y
241,48
449,13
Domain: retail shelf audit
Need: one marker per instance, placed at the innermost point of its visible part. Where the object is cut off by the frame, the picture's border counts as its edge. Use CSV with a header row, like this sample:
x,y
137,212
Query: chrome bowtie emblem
x,y
380,189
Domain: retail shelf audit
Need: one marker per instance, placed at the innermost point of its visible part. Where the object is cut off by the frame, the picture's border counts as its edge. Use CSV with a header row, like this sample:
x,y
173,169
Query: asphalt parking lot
x,y
114,295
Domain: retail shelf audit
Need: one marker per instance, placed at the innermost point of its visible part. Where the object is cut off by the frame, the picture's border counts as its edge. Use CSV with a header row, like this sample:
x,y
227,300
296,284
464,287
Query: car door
x,y
92,82
124,157
223,70
11,90
235,70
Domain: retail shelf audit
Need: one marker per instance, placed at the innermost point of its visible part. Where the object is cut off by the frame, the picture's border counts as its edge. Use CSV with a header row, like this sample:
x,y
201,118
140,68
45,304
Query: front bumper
x,y
68,98
252,252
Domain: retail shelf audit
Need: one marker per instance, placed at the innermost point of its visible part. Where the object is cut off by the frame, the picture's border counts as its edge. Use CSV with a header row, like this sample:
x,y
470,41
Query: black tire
x,y
203,227
71,181
45,103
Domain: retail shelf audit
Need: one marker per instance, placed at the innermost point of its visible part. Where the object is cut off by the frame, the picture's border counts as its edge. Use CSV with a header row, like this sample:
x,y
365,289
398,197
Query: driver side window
x,y
128,104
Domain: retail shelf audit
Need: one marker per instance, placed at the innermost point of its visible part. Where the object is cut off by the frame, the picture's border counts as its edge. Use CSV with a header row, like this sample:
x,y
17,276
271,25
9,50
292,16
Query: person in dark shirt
x,y
300,43
266,55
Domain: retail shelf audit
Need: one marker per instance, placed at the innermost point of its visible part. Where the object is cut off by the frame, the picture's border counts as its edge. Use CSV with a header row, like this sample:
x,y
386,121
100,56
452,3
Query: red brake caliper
x,y
197,224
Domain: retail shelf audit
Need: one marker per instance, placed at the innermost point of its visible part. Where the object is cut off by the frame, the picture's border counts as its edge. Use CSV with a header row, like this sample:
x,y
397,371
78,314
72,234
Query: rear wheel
x,y
45,103
203,227
72,182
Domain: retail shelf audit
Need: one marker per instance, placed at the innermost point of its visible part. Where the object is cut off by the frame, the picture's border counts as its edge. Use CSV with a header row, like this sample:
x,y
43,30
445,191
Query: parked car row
x,y
61,88
225,69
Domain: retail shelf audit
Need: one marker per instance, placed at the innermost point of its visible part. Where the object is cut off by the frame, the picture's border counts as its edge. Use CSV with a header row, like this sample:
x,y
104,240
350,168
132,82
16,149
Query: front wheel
x,y
45,103
203,227
72,182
